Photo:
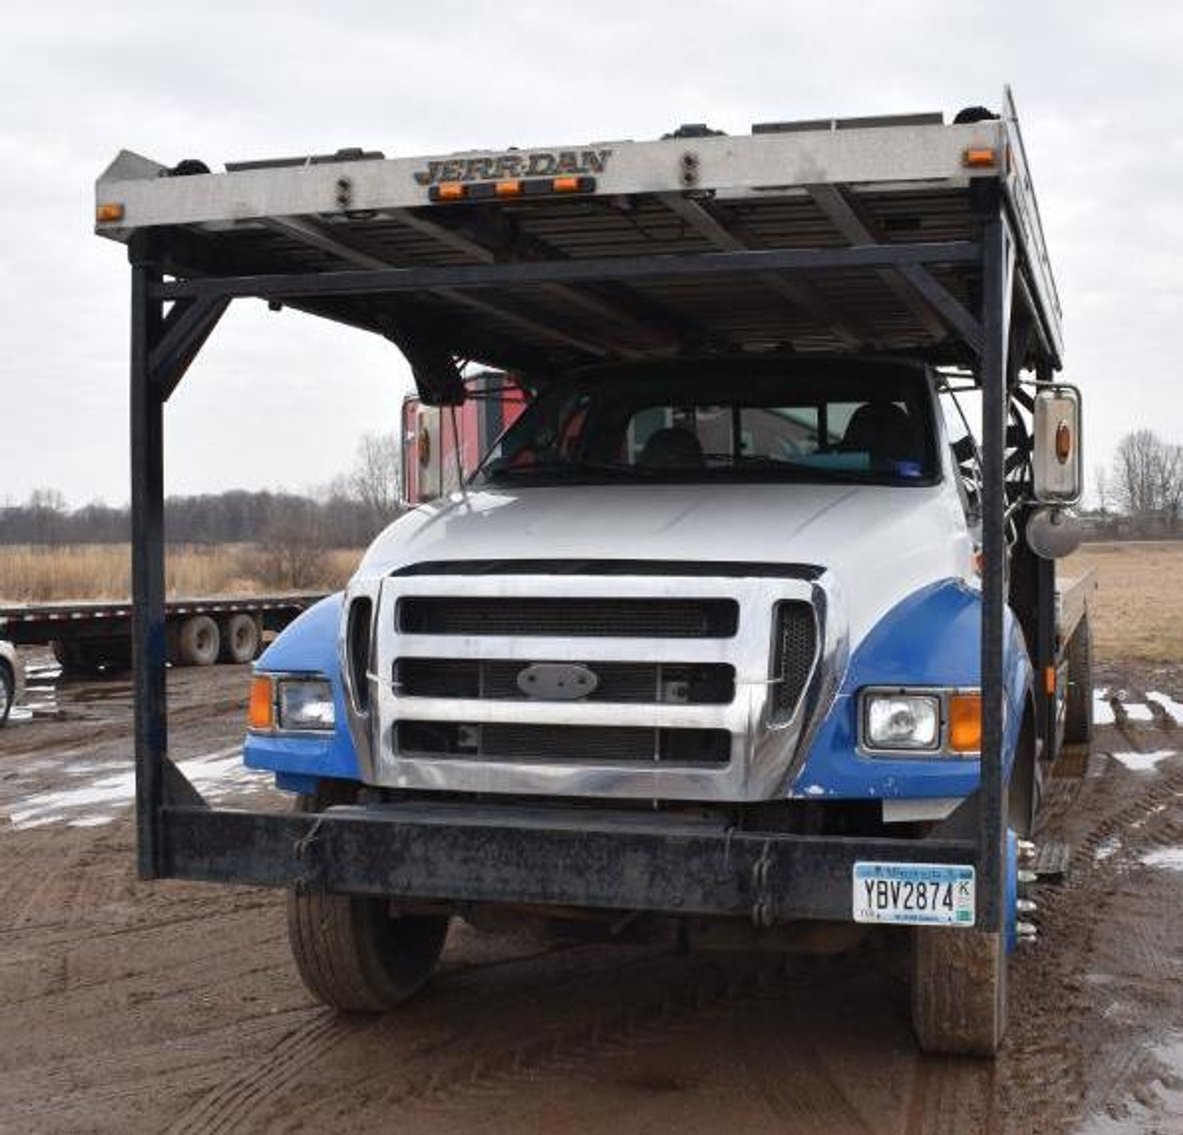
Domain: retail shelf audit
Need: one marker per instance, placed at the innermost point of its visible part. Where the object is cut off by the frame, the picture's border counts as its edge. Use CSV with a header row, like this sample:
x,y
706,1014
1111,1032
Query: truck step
x,y
1051,861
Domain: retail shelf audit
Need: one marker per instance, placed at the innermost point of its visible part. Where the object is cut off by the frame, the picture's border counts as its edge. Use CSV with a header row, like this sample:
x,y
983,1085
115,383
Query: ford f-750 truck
x,y
734,627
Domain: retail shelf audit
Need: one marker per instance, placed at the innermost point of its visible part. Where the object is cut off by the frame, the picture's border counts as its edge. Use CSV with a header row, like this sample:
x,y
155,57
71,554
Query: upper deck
x,y
541,258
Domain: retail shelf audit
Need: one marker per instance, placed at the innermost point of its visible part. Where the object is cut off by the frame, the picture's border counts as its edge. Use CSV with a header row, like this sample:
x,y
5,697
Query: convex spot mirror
x,y
1056,454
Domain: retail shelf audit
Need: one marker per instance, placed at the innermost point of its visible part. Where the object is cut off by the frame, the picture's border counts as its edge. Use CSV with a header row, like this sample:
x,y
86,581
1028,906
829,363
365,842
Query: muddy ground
x,y
128,1006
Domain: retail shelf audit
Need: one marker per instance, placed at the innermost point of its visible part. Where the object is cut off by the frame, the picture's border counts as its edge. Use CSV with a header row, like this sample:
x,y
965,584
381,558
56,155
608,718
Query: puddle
x,y
102,798
1143,762
1152,1102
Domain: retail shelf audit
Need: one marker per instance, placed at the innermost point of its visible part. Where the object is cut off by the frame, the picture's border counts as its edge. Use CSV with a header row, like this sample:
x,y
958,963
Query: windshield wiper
x,y
556,469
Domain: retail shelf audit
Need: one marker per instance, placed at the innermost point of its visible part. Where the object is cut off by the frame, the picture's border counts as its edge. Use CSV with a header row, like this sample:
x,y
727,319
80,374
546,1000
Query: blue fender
x,y
930,638
307,646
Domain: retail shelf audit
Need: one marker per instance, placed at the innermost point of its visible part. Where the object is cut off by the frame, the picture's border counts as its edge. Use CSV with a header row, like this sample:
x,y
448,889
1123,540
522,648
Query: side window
x,y
966,459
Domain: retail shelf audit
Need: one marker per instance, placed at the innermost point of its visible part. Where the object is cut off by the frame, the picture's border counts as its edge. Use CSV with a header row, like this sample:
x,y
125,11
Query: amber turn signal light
x,y
979,158
261,707
965,723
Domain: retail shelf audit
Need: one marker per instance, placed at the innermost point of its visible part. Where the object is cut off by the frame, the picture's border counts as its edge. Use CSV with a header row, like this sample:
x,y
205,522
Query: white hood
x,y
880,543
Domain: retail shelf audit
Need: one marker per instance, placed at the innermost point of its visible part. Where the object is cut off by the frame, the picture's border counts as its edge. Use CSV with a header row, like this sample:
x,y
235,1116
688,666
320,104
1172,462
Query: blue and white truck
x,y
738,628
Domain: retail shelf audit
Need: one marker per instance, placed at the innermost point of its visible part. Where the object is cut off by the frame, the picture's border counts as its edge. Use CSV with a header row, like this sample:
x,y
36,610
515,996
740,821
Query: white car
x,y
12,679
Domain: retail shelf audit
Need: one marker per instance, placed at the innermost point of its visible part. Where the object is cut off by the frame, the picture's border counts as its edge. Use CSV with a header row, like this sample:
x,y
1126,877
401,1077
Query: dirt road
x,y
172,1007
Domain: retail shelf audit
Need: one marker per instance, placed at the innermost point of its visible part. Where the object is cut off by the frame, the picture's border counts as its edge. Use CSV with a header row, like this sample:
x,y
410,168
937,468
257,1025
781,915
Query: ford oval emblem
x,y
557,681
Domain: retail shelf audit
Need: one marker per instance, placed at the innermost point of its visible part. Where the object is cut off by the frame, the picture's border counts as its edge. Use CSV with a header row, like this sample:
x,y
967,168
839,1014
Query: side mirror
x,y
1056,453
422,453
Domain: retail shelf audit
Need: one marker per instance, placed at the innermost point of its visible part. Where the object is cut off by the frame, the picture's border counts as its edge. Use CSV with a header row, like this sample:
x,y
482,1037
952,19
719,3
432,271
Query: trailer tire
x,y
199,641
77,659
1078,708
240,638
353,952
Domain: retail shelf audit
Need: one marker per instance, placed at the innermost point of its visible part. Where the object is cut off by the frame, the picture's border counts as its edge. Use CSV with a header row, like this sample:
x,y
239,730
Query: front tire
x,y
7,691
959,980
352,951
959,991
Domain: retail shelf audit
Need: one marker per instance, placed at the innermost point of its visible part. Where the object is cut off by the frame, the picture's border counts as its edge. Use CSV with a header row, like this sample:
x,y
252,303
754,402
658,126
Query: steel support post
x,y
147,562
996,278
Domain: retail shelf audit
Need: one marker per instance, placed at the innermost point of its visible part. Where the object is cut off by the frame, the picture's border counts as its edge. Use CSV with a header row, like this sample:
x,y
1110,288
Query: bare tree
x,y
292,550
1101,489
1148,478
377,477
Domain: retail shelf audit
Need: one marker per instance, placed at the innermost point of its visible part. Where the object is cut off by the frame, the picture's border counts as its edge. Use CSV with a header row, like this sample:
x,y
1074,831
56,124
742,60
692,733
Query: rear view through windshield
x,y
725,425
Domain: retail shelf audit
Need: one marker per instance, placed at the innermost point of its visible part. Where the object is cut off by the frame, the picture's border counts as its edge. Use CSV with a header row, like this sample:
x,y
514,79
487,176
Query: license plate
x,y
926,894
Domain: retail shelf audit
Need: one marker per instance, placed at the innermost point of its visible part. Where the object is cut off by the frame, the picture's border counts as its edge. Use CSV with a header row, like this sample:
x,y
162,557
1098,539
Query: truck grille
x,y
560,618
637,682
792,663
564,743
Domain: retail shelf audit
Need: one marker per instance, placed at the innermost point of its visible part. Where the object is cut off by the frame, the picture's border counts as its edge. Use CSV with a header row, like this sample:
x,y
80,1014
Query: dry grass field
x,y
103,571
1138,614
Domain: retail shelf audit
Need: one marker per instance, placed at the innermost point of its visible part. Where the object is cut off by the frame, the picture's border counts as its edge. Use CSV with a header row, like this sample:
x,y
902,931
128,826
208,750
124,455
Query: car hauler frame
x,y
889,235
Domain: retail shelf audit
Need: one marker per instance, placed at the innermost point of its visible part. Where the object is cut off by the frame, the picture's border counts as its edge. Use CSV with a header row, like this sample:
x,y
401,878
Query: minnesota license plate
x,y
927,894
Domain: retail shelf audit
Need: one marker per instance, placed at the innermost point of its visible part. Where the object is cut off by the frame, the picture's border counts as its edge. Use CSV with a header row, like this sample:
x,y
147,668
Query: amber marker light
x,y
512,188
261,707
980,157
450,191
965,723
567,184
107,212
1063,443
1049,681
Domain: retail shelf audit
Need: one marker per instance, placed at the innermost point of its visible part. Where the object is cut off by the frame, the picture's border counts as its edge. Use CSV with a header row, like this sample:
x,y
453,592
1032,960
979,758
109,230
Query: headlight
x,y
909,722
305,703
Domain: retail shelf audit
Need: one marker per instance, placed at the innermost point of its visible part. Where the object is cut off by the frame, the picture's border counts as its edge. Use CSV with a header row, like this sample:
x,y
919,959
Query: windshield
x,y
739,422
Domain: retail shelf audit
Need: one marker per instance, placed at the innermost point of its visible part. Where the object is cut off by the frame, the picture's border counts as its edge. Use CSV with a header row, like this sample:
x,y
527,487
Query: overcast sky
x,y
280,401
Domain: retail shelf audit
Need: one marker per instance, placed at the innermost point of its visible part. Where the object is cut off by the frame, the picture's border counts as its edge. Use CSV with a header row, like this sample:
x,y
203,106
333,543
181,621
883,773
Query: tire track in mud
x,y
1107,940
703,992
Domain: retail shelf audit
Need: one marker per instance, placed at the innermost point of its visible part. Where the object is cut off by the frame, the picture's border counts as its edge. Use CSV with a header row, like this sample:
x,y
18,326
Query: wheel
x,y
351,951
959,990
199,641
1078,708
959,994
7,691
240,638
76,658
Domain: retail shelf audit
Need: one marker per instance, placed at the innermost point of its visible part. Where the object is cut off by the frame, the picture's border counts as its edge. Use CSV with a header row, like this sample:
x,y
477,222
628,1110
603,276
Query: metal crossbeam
x,y
913,284
701,264
732,238
318,235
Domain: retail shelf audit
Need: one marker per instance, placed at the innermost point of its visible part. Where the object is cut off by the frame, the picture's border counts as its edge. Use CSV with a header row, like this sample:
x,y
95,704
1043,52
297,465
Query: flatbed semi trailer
x,y
87,636
730,628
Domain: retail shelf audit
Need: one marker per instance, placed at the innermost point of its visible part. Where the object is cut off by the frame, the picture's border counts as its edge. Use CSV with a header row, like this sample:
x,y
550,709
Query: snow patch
x,y
103,797
1172,708
1106,849
1102,710
1143,762
1169,857
1135,711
